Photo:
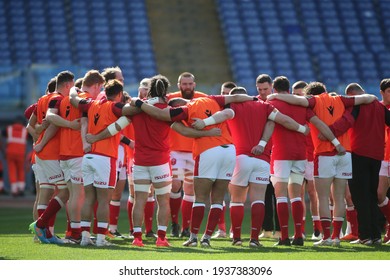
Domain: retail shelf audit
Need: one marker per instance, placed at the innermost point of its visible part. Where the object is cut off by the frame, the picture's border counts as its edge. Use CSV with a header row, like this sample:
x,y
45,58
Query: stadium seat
x,y
77,31
305,74
263,66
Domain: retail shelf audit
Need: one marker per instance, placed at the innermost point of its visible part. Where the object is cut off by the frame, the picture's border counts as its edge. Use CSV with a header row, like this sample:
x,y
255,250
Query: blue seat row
x,y
292,38
88,33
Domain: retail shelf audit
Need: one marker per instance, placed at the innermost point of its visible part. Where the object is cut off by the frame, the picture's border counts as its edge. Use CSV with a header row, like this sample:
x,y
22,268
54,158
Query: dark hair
x,y
51,85
299,85
353,87
229,85
158,86
237,90
79,82
281,84
314,88
113,88
64,77
385,84
263,78
110,73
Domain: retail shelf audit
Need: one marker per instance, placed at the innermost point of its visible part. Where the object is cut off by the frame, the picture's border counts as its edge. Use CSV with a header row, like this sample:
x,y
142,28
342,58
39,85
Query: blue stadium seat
x,y
330,78
241,56
282,65
42,57
257,47
4,69
277,47
273,30
328,69
120,20
263,66
302,63
337,43
250,23
63,57
75,31
127,58
5,58
242,66
384,60
306,75
116,4
356,43
87,62
39,34
376,44
4,44
228,15
41,31
238,47
287,72
260,56
297,47
233,30
23,58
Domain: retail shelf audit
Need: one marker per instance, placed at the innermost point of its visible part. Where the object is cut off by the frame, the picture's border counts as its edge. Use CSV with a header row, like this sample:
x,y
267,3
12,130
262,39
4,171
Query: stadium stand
x,y
336,42
40,38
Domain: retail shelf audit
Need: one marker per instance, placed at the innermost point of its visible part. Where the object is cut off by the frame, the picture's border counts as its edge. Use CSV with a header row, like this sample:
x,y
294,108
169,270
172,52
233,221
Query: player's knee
x,y
296,178
142,187
163,190
276,180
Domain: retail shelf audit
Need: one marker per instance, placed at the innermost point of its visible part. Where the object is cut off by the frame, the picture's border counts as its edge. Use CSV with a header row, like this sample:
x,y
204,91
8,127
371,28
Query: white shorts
x,y
156,174
216,163
121,167
99,170
180,162
333,166
72,170
250,169
36,169
50,171
283,168
384,171
309,171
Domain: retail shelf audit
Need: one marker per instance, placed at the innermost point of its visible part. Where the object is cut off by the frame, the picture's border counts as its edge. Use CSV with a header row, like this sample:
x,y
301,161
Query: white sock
x,y
100,237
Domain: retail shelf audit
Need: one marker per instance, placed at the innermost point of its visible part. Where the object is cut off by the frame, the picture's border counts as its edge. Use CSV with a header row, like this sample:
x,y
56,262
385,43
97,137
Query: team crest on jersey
x,y
96,118
208,113
67,111
173,161
330,109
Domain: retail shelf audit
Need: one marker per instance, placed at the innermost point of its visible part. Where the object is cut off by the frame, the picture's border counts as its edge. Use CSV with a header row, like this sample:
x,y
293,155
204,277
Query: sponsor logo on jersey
x,y
100,183
55,177
161,177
